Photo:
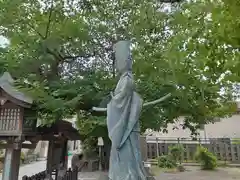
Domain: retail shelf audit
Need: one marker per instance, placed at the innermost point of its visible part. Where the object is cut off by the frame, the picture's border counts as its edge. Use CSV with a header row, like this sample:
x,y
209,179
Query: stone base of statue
x,y
149,174
104,175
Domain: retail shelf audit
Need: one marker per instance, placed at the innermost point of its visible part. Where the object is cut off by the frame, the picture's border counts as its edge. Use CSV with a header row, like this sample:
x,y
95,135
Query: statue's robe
x,y
123,113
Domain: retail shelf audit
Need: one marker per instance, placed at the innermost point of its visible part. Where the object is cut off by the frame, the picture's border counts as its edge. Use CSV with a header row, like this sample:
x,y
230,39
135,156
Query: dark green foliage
x,y
176,152
207,159
90,148
61,53
166,162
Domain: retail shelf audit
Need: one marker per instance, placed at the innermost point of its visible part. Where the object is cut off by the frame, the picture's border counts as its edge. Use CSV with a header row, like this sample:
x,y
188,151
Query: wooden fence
x,y
38,176
223,148
69,175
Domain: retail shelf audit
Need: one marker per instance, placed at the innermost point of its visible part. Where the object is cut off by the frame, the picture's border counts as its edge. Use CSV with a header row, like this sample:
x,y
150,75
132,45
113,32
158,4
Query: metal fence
x,y
225,149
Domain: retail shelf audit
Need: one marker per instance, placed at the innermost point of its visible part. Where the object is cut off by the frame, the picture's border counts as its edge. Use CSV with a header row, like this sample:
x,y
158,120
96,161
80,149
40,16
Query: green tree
x,y
61,53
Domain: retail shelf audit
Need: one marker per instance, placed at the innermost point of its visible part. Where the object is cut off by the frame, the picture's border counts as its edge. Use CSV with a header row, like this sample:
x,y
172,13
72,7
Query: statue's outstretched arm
x,y
144,104
157,101
99,109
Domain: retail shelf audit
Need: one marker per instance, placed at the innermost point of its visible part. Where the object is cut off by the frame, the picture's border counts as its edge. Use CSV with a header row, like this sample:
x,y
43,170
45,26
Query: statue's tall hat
x,y
123,53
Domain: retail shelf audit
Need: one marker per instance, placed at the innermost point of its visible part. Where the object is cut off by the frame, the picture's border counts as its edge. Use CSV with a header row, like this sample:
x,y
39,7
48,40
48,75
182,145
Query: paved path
x,y
31,169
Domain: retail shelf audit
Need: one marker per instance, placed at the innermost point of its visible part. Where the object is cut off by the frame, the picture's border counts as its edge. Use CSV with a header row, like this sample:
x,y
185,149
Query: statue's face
x,y
123,56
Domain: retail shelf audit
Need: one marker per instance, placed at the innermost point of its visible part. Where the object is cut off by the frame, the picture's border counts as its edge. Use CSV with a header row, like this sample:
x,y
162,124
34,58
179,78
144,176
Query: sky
x,y
3,41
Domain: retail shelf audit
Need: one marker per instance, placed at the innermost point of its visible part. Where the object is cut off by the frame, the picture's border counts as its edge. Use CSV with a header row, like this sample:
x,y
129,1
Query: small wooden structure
x,y
17,120
58,135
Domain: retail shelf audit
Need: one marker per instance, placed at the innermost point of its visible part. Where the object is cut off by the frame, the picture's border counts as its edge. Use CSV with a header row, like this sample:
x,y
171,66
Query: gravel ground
x,y
194,173
191,173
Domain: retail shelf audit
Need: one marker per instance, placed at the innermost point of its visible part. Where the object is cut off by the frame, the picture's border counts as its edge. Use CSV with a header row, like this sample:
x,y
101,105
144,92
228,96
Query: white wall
x,y
42,149
225,128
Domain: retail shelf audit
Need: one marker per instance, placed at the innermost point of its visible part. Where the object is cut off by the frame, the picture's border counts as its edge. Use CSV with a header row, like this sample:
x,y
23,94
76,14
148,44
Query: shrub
x,y
22,157
1,166
166,162
176,152
1,150
236,141
207,159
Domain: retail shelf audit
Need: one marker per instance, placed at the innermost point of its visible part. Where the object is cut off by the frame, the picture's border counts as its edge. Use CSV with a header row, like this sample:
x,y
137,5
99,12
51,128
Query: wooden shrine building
x,y
18,119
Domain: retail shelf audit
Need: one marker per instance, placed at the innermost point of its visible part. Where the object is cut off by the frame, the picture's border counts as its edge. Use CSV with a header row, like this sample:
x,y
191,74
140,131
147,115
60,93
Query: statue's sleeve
x,y
118,111
125,91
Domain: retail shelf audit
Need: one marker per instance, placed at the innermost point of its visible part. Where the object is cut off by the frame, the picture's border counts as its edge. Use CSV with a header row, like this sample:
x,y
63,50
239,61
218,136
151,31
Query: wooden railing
x,y
38,176
69,175
9,119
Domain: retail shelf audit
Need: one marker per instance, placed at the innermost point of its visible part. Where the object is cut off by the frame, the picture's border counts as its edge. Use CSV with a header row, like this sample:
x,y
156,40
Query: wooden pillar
x,y
74,145
157,147
12,161
64,162
50,159
65,154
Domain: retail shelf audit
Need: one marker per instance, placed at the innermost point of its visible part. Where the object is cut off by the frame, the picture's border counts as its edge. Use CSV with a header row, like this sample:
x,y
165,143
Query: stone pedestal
x,y
149,175
147,166
11,163
104,176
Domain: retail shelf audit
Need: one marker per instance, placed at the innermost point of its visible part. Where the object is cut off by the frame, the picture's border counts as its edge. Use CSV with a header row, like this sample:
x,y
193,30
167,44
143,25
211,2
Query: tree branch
x,y
35,67
33,28
170,1
49,21
78,56
56,55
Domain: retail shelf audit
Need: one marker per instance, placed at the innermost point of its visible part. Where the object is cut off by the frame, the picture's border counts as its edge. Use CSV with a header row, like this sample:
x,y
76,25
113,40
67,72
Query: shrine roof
x,y
60,127
7,84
